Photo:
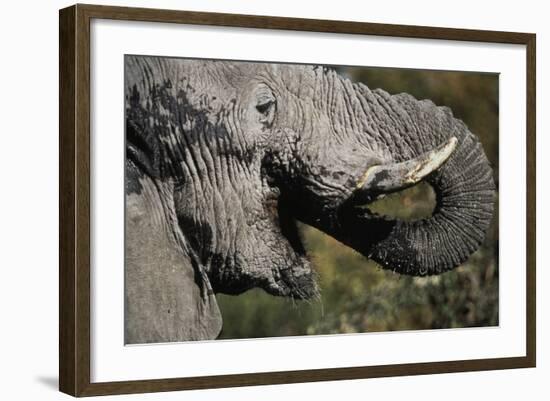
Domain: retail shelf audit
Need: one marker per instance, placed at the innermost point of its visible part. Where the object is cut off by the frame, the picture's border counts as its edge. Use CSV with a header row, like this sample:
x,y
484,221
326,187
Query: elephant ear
x,y
166,299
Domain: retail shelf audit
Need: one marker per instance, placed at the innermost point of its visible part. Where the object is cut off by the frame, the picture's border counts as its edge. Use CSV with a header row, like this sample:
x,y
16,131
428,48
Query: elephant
x,y
223,158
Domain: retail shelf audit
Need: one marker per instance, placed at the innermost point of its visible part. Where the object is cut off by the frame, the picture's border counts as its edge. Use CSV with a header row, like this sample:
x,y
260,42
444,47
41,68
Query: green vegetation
x,y
356,294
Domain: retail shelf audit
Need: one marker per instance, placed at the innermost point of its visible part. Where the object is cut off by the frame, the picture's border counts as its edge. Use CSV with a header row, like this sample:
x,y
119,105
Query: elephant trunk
x,y
464,189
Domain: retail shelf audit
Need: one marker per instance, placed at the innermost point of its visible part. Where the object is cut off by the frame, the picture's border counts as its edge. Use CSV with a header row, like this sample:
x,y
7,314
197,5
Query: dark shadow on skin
x,y
50,382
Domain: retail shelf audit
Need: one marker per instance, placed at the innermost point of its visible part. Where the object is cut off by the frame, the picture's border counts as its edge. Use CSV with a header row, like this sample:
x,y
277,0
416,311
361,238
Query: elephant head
x,y
222,159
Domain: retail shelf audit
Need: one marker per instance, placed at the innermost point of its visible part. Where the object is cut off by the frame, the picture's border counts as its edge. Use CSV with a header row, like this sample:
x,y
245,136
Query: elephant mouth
x,y
298,280
289,227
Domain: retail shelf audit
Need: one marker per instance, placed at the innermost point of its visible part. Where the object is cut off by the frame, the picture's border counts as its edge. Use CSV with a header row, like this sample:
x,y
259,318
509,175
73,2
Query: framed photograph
x,y
250,200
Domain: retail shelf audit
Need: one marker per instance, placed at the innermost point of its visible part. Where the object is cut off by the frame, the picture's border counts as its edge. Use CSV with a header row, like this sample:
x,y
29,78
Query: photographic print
x,y
267,199
300,206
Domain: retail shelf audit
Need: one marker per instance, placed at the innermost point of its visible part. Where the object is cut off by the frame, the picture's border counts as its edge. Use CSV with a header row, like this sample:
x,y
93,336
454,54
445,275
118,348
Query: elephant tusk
x,y
397,176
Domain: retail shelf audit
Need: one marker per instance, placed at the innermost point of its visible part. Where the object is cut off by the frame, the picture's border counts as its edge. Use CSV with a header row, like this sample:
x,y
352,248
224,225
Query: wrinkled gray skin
x,y
224,157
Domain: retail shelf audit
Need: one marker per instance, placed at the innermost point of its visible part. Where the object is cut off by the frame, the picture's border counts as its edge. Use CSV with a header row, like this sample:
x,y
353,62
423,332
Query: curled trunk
x,y
463,185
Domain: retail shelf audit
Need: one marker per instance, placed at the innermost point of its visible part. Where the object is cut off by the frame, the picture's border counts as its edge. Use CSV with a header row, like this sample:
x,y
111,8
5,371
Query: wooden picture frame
x,y
74,200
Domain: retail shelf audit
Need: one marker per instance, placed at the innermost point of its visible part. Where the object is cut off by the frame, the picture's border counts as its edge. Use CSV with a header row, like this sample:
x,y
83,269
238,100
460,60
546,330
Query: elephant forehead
x,y
295,79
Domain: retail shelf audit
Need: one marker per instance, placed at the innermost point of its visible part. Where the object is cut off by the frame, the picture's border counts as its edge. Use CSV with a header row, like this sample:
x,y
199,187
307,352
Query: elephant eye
x,y
265,106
